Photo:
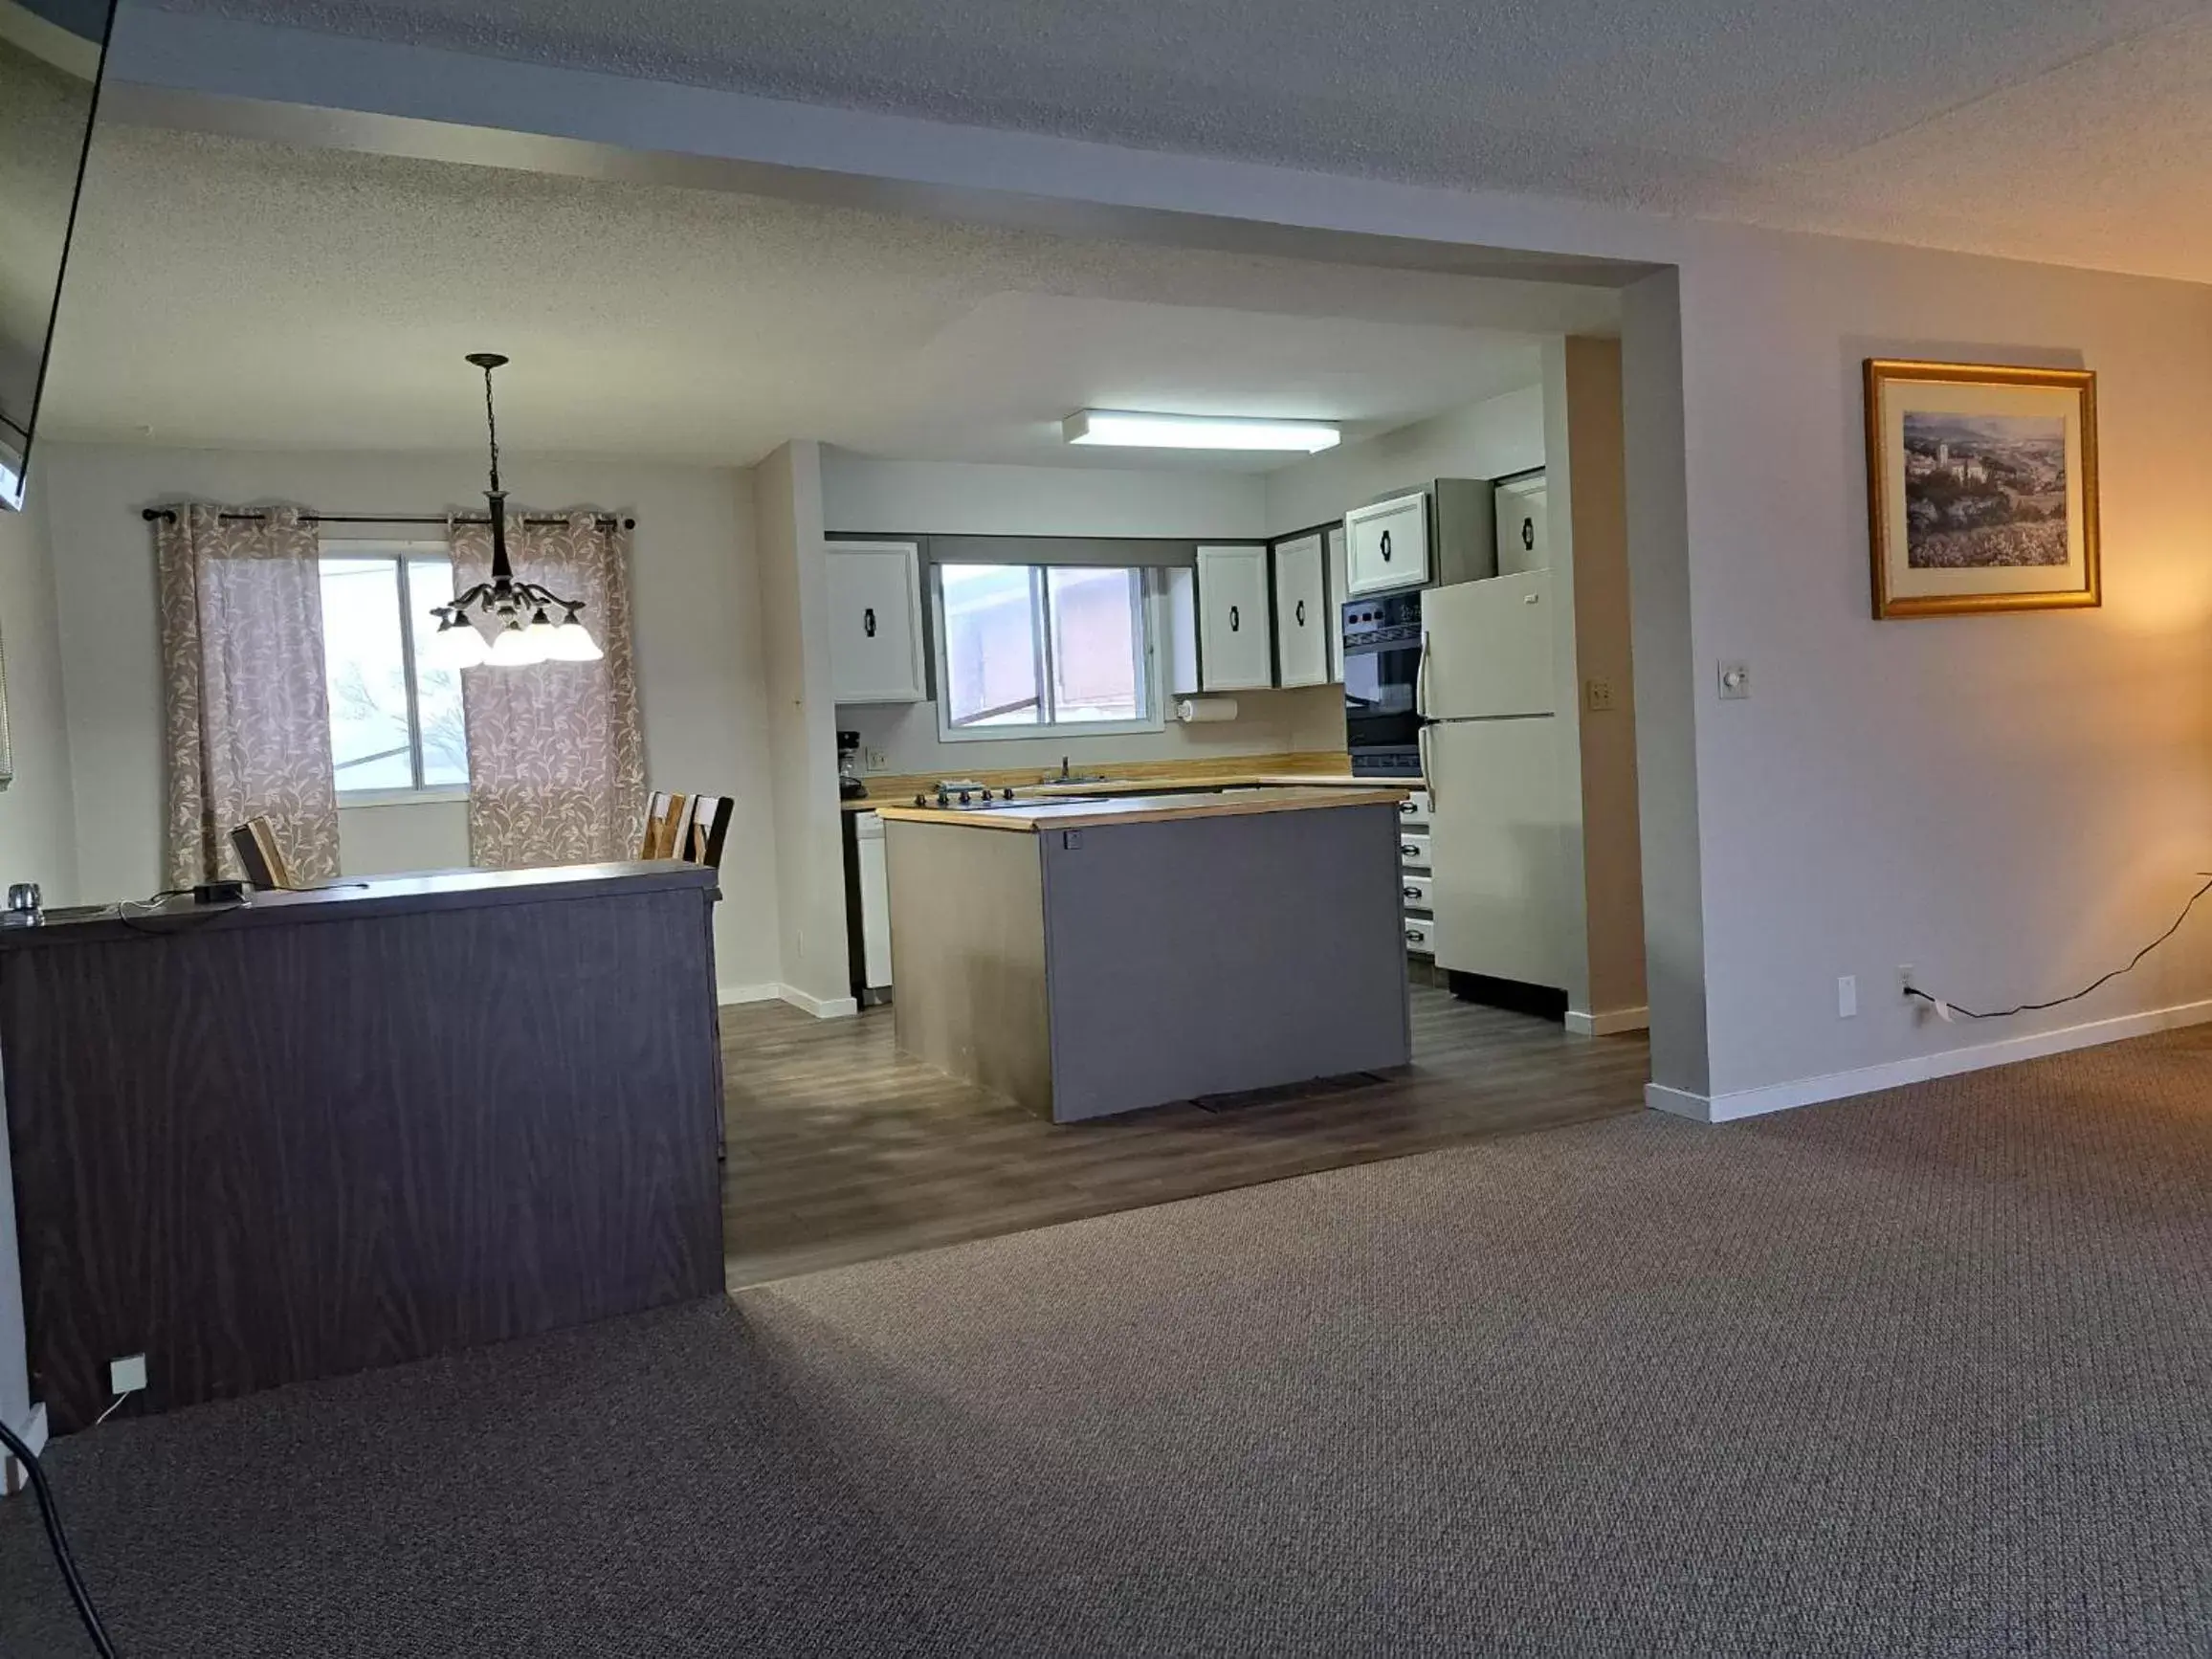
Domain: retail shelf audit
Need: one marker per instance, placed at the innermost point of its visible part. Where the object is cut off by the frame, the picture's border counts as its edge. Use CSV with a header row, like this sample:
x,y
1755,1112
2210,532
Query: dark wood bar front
x,y
331,1130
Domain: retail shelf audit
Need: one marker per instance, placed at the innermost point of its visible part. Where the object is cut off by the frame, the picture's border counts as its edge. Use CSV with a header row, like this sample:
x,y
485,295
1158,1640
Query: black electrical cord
x,y
2095,985
58,1540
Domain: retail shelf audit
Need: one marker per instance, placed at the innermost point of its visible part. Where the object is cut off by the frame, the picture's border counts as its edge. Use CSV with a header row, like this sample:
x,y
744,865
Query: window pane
x,y
437,689
366,674
1097,656
990,645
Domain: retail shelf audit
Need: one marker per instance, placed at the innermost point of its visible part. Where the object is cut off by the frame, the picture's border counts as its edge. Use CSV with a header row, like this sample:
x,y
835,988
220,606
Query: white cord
x,y
113,1405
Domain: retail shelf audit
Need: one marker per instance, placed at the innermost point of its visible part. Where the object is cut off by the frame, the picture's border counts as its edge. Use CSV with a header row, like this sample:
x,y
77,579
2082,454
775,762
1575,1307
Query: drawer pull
x,y
1414,936
1408,849
1408,809
1413,892
868,622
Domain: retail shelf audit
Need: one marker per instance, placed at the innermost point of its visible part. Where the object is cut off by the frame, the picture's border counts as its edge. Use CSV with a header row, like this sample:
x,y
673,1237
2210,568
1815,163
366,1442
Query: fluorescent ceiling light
x,y
1128,430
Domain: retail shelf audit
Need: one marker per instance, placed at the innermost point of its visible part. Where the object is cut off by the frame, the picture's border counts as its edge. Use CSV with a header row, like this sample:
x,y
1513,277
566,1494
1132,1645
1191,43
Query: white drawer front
x,y
1413,850
1414,808
1420,935
1414,890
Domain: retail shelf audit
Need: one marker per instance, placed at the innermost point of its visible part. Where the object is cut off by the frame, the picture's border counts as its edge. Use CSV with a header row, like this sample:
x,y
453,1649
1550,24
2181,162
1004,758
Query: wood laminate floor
x,y
842,1150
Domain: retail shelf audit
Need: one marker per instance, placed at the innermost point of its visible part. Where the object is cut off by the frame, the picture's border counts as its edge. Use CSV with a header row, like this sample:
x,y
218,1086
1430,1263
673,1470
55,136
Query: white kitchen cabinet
x,y
1236,646
1302,630
1337,591
1388,546
1523,543
874,608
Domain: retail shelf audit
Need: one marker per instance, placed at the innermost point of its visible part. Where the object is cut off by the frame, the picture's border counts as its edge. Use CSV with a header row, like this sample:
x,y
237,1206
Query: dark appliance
x,y
1381,684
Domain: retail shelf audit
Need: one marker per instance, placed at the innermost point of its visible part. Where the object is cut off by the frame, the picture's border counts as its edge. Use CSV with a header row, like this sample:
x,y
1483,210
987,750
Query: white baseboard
x,y
1609,1024
821,1008
13,1477
730,996
1919,1068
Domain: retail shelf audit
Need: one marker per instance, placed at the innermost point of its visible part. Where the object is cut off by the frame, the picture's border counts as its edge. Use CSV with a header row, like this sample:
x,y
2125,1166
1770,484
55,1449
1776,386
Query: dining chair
x,y
710,824
667,820
256,843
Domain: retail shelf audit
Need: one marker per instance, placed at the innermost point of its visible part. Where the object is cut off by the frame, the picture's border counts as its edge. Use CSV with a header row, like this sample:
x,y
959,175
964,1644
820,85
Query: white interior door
x,y
1497,849
1236,647
1302,630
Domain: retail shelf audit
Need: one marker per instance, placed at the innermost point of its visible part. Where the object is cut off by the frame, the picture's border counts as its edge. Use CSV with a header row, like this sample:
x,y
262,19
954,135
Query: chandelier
x,y
517,615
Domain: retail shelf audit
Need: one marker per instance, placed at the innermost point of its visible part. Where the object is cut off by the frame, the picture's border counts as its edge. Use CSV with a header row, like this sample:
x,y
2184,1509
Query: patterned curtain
x,y
556,750
248,727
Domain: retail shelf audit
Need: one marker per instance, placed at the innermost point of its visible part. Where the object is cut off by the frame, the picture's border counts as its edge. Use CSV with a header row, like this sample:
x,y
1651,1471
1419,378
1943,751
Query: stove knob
x,y
964,797
922,800
1006,793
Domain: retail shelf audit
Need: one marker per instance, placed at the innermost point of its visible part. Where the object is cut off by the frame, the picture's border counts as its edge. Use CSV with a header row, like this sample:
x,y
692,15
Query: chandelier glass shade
x,y
505,622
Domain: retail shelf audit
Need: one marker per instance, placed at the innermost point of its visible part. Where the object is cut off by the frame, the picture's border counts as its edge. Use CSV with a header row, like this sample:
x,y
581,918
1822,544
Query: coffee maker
x,y
849,787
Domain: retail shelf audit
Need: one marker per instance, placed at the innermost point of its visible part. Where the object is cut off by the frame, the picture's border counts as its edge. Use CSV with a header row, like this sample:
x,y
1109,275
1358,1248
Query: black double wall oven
x,y
1382,718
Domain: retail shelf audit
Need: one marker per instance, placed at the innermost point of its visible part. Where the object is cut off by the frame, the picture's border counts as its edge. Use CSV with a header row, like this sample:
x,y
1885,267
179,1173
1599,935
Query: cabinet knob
x,y
868,622
1386,547
1233,623
1301,613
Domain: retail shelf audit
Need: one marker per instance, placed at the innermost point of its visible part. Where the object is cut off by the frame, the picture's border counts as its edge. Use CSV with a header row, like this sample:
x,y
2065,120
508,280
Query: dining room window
x,y
396,727
1028,651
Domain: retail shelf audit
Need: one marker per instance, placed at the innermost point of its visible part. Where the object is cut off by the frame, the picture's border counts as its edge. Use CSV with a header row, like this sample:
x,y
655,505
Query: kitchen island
x,y
1091,957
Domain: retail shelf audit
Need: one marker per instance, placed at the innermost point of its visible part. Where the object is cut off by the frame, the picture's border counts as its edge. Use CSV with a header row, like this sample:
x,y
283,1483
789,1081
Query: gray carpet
x,y
1926,1374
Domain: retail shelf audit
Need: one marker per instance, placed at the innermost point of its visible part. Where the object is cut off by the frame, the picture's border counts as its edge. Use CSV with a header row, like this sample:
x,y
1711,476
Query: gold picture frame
x,y
1981,488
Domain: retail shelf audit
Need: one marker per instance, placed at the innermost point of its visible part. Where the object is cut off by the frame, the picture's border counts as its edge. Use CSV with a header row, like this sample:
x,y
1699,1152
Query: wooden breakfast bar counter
x,y
339,1128
1087,957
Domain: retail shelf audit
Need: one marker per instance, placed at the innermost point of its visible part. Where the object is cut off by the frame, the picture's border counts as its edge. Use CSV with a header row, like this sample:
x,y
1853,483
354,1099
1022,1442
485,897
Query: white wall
x,y
1484,440
863,496
37,843
695,616
813,957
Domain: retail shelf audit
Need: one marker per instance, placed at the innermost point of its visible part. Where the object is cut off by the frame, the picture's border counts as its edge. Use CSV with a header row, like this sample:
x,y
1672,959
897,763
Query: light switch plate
x,y
1598,694
1734,682
128,1375
875,760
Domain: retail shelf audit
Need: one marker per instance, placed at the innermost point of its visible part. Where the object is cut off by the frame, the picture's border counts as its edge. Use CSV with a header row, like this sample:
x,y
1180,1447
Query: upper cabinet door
x,y
875,602
1522,541
1390,545
1337,577
1236,647
1302,630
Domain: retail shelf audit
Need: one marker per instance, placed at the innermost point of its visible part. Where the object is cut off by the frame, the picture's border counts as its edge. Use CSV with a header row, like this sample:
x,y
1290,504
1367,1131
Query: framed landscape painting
x,y
1981,487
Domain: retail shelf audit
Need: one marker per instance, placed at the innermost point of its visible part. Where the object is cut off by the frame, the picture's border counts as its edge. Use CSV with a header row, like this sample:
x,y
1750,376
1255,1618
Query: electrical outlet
x,y
126,1374
875,760
1598,694
1734,682
1848,997
1905,980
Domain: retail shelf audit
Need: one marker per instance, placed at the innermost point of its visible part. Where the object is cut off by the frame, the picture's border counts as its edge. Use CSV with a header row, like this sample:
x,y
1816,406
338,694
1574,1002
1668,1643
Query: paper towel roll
x,y
1197,711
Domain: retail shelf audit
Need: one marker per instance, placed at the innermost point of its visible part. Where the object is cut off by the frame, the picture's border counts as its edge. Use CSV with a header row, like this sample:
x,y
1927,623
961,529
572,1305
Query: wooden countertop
x,y
1026,817
1170,787
348,901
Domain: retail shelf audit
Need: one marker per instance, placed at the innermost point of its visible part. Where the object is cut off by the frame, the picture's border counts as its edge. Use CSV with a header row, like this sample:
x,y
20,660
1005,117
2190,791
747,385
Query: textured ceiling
x,y
228,292
2042,128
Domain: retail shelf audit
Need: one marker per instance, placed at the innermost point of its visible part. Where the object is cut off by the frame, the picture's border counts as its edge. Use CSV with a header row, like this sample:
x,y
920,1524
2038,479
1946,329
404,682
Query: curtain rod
x,y
606,520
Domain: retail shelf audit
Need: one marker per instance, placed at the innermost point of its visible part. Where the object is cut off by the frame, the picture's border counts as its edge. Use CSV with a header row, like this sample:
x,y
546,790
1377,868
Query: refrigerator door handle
x,y
1420,678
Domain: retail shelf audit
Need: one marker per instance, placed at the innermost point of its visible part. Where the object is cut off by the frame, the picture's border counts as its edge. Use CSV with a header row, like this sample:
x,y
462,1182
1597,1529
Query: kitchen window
x,y
1028,651
396,732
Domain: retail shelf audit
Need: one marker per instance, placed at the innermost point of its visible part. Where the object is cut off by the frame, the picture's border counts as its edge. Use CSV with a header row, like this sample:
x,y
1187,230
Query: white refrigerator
x,y
1499,782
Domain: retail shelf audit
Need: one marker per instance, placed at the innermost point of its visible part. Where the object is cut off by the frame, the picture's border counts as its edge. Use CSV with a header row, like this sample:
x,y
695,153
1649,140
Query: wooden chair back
x,y
256,844
667,823
710,824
